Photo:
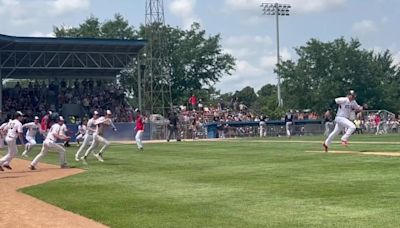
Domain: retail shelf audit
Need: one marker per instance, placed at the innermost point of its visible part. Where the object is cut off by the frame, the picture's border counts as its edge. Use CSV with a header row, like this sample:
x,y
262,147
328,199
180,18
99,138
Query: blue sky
x,y
247,34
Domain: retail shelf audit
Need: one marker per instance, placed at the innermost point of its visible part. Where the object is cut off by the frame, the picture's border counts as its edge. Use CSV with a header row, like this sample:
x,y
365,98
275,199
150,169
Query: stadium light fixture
x,y
276,9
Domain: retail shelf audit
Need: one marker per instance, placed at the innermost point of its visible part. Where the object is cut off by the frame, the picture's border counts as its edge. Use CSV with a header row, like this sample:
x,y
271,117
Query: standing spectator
x,y
193,102
173,127
200,106
377,123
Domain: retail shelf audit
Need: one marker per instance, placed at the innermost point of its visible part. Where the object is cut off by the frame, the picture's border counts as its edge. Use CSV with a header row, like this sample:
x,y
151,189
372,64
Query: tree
x,y
327,70
246,96
195,60
118,28
267,103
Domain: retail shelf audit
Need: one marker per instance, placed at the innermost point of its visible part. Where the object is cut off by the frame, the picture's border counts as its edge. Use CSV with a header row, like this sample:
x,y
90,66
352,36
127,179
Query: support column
x,y
1,94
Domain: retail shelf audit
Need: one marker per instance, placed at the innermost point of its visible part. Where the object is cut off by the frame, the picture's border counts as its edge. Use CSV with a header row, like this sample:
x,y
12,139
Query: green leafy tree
x,y
327,70
246,96
194,60
117,28
267,103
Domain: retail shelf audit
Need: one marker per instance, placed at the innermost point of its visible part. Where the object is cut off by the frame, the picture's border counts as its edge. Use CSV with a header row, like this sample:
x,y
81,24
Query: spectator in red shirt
x,y
193,101
139,130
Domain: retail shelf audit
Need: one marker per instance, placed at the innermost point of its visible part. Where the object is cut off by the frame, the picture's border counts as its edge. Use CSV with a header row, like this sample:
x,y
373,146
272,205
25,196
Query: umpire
x,y
173,127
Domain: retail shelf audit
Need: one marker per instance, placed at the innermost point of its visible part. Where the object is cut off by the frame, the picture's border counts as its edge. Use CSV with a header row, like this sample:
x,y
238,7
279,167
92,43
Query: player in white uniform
x,y
64,131
3,133
347,106
101,124
30,136
54,134
14,131
81,131
87,141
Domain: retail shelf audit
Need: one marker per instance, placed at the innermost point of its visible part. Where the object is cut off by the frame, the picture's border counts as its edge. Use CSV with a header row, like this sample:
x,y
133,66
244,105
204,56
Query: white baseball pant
x,y
30,144
288,126
79,137
263,129
341,123
87,141
1,142
97,139
48,144
12,151
138,138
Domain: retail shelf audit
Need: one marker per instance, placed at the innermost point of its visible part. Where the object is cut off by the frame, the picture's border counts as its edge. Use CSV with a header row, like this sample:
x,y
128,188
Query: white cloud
x,y
16,13
365,27
301,6
313,6
41,34
184,9
247,39
269,61
61,7
396,58
251,11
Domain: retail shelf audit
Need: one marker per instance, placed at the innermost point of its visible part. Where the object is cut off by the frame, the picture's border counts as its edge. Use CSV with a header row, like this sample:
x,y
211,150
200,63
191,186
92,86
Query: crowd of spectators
x,y
379,122
36,98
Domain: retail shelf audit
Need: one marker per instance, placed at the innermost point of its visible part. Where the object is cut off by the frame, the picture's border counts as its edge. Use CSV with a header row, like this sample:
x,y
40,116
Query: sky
x,y
246,33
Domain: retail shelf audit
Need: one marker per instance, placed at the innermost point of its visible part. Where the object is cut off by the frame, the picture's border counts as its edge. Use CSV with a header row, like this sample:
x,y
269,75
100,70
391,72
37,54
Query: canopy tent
x,y
43,57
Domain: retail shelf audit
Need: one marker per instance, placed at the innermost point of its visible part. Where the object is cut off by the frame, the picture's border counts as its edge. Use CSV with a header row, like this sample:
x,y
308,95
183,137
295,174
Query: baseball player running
x,y
347,105
3,132
88,138
30,136
54,134
101,124
14,131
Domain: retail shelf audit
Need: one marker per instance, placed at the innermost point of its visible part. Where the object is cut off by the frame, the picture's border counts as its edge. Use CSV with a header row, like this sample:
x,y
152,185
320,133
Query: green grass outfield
x,y
236,183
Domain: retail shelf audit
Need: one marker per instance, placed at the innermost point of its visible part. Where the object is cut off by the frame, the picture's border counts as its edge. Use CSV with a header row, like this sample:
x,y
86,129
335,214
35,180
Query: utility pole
x,y
277,10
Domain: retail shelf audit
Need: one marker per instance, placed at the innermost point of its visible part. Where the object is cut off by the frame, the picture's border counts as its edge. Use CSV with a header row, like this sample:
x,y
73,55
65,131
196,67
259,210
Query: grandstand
x,y
77,75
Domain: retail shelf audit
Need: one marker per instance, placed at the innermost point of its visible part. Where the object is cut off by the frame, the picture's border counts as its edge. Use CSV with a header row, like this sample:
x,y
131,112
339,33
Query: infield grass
x,y
236,183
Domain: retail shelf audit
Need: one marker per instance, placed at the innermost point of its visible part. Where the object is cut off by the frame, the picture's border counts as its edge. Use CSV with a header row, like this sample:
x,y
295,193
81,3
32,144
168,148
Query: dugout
x,y
67,58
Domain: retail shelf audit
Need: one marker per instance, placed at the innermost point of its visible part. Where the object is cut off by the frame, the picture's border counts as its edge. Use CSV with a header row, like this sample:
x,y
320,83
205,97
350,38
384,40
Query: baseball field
x,y
272,182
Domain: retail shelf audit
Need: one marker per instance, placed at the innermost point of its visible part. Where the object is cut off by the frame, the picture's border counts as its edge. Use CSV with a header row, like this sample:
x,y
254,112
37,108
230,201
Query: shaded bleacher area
x,y
37,97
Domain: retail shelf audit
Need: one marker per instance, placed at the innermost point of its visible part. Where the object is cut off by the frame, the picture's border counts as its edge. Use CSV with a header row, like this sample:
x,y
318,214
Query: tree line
x,y
322,71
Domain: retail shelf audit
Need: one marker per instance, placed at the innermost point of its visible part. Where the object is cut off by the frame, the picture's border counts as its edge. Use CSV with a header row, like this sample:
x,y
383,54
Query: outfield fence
x,y
160,131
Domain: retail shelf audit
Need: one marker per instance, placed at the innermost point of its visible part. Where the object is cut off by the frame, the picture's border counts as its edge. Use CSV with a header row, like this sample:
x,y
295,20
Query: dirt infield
x,y
21,210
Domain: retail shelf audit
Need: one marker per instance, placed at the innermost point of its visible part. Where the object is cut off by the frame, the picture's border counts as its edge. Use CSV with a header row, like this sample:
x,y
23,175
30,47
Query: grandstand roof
x,y
33,57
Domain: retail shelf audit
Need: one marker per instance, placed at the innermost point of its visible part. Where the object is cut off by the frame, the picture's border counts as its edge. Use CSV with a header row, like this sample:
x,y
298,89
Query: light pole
x,y
277,10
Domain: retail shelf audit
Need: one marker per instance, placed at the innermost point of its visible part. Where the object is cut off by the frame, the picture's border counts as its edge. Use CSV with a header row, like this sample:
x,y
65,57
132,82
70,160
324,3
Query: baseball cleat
x,y
24,154
77,158
99,157
64,166
31,167
325,147
7,167
84,161
344,143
